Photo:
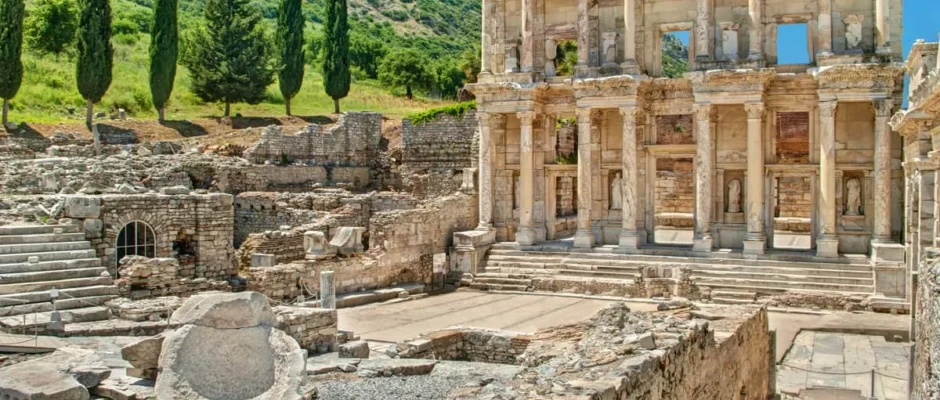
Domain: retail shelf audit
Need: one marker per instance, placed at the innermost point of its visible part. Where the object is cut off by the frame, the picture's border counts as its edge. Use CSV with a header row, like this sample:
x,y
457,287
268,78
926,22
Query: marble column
x,y
584,236
327,290
882,26
526,233
528,43
629,36
584,35
881,231
704,169
754,239
487,150
824,27
756,30
703,29
486,39
629,238
827,243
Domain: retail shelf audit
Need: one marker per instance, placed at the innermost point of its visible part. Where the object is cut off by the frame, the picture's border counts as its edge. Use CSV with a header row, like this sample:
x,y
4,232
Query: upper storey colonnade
x,y
617,37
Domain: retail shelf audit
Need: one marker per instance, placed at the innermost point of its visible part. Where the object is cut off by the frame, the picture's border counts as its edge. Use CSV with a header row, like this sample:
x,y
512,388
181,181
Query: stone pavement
x,y
846,361
512,312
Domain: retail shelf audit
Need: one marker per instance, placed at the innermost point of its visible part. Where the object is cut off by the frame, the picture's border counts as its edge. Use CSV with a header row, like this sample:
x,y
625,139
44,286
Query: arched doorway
x,y
136,238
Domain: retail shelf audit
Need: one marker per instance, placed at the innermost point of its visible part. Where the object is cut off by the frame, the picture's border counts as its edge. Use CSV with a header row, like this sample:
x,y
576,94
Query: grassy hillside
x,y
441,28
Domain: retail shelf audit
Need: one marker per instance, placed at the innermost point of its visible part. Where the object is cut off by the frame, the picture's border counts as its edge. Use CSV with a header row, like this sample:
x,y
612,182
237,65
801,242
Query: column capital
x,y
526,117
583,114
702,111
484,118
629,112
754,110
827,109
883,107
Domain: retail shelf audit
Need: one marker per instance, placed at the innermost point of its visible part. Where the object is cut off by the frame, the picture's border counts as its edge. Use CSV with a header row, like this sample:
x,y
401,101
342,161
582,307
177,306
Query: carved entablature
x,y
554,95
504,91
913,122
926,93
873,77
666,89
612,86
747,80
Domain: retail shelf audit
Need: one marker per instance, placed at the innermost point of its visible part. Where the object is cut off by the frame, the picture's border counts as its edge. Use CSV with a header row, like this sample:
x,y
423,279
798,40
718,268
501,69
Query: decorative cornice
x,y
860,76
731,80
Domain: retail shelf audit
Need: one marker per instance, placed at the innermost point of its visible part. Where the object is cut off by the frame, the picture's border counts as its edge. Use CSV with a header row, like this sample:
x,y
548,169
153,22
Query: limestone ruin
x,y
674,237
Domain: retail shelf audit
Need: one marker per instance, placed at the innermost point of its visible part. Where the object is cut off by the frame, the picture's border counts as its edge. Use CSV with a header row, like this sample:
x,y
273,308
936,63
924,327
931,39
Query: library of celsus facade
x,y
743,152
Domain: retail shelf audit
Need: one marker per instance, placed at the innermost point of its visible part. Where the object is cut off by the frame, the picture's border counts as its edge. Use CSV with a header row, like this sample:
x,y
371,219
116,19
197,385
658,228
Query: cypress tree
x,y
11,46
290,37
336,75
164,47
95,54
227,59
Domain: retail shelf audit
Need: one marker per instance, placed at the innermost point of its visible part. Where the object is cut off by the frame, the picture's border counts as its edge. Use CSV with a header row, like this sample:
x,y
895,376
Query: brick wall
x,y
792,137
675,186
674,129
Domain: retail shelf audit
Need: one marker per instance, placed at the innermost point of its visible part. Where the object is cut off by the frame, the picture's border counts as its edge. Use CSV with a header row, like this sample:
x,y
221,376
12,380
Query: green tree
x,y
470,63
675,57
51,26
164,51
11,48
405,67
447,78
227,57
365,52
290,37
95,54
336,76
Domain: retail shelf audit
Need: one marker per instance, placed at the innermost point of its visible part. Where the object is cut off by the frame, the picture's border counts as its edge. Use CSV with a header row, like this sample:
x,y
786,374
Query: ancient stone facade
x,y
739,119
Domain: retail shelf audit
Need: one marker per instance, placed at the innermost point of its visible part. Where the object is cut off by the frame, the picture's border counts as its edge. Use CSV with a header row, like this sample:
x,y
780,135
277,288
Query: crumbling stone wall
x,y
468,344
310,327
794,204
353,140
925,374
674,129
674,192
143,278
445,143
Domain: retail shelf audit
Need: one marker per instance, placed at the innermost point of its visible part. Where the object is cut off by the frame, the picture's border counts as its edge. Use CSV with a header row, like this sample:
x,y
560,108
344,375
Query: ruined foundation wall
x,y
310,327
468,344
435,154
353,140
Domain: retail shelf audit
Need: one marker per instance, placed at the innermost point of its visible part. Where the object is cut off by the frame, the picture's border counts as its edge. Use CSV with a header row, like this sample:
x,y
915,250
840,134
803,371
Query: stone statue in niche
x,y
734,196
616,193
853,30
609,44
517,193
551,49
853,197
512,57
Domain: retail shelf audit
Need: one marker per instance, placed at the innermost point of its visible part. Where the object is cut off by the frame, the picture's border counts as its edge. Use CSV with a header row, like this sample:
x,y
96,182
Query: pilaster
x,y
827,244
755,9
703,29
487,150
882,27
584,33
584,236
824,28
528,42
754,239
629,63
526,232
704,169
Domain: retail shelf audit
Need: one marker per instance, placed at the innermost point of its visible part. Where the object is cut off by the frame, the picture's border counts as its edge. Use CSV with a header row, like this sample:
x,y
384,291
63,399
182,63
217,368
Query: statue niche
x,y
616,192
734,196
853,197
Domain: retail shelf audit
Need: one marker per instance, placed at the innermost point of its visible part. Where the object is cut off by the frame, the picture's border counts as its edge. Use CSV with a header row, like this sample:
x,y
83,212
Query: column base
x,y
886,252
702,245
827,247
754,247
630,67
584,239
629,242
484,227
525,236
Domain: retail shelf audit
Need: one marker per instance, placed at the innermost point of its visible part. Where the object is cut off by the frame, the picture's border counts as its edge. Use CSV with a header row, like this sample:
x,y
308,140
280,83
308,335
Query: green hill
x,y
441,29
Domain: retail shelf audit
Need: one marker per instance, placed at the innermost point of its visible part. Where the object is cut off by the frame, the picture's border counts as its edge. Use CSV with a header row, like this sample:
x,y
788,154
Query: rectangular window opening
x,y
793,44
675,54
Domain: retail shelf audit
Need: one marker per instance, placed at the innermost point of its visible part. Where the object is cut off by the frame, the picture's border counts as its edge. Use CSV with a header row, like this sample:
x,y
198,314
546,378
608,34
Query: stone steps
x,y
47,256
41,319
498,261
36,259
733,294
497,286
49,265
41,238
21,248
705,274
782,285
11,230
53,275
501,281
61,304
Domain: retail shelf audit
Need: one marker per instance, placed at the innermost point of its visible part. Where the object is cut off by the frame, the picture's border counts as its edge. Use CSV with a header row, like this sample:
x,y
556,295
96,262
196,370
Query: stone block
x,y
356,349
225,311
82,207
259,260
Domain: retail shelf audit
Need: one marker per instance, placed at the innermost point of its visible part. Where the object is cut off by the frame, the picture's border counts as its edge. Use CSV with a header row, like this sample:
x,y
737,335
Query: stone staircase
x,y
37,258
728,277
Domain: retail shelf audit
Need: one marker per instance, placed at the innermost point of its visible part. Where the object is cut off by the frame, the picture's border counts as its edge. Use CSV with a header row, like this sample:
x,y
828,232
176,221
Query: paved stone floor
x,y
846,361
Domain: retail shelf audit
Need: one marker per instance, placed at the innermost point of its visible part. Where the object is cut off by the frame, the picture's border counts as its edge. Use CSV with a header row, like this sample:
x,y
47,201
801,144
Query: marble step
x,y
26,287
498,286
774,287
40,276
782,276
46,256
502,281
49,265
599,274
43,247
36,229
734,294
860,264
728,300
40,296
40,319
41,238
61,304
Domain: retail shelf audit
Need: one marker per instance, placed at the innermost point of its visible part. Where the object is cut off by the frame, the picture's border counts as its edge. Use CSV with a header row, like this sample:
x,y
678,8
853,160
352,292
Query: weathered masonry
x,y
745,150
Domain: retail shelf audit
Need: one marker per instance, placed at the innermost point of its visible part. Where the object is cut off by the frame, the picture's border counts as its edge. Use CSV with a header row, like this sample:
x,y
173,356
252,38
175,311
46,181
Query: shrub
x,y
456,110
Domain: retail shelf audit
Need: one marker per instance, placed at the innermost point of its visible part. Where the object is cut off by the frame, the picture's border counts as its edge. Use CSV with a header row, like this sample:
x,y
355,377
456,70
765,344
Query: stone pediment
x,y
749,80
876,77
